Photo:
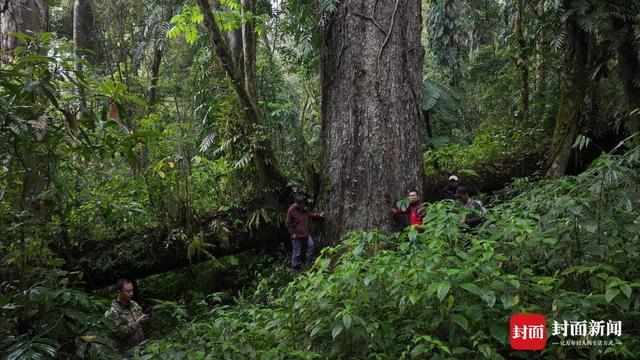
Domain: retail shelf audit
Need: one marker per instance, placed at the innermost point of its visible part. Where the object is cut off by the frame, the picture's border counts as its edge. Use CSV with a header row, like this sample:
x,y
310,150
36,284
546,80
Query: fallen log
x,y
137,255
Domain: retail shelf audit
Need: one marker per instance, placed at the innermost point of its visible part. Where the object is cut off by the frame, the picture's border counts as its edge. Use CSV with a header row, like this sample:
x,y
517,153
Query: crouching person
x,y
478,212
127,316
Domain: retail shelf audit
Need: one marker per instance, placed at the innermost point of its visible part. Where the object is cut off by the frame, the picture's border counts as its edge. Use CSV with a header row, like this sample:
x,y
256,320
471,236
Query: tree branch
x,y
372,20
386,39
223,54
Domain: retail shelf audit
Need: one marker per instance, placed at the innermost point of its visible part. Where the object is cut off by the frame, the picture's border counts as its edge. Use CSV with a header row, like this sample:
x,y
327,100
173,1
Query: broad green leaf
x,y
337,330
460,320
499,333
443,289
611,294
346,320
507,300
472,288
626,289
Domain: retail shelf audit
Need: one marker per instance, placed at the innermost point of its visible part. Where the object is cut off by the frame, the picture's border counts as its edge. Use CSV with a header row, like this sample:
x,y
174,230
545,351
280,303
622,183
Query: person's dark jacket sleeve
x,y
291,221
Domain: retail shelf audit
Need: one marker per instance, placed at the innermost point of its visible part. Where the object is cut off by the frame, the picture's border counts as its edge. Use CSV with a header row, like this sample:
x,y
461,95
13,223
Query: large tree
x,y
571,97
371,115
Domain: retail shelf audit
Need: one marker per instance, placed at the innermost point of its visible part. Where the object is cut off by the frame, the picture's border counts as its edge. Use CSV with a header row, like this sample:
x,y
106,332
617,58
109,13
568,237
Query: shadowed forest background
x,y
162,141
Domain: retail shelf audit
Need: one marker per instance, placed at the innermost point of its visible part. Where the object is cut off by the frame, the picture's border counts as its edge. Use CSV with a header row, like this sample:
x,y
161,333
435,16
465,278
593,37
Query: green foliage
x,y
51,320
491,145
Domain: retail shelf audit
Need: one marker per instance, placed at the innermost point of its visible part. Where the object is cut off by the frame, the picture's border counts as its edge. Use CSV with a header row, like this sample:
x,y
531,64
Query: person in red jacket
x,y
298,223
415,210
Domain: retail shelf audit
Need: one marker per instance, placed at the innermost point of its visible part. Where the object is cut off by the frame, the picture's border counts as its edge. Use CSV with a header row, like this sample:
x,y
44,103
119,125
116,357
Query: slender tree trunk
x,y
629,68
235,45
312,178
249,52
269,174
521,63
540,70
427,124
155,73
82,25
453,44
571,98
25,16
372,122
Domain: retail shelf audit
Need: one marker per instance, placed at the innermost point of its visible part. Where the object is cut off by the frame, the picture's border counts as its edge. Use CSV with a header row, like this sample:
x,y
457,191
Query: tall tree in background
x,y
269,174
371,115
521,61
445,19
572,95
628,50
82,38
25,16
158,38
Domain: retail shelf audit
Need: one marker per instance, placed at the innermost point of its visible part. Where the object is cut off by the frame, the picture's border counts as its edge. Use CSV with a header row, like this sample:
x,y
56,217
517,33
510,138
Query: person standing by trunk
x,y
415,210
298,223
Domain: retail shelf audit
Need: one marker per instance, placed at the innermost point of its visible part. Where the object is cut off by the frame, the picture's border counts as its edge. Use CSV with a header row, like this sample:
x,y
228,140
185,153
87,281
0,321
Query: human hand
x,y
143,317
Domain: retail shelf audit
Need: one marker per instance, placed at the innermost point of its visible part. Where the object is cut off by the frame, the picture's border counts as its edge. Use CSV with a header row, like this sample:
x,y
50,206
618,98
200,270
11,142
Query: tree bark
x,y
25,16
235,45
453,45
372,120
629,68
155,73
82,39
540,83
521,62
571,98
249,52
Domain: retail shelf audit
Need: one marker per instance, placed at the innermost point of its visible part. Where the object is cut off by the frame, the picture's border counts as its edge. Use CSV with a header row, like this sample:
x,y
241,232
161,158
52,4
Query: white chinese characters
x,y
584,328
525,332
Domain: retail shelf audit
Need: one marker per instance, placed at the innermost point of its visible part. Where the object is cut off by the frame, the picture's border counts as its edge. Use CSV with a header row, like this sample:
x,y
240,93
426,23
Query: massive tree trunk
x,y
371,79
629,68
26,16
571,98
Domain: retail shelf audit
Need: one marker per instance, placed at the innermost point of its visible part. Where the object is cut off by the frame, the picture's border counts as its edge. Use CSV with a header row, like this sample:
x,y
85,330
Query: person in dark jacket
x,y
449,192
298,223
415,210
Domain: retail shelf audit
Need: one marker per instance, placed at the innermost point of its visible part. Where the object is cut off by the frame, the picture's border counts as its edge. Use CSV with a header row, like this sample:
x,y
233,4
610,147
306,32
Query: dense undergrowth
x,y
564,248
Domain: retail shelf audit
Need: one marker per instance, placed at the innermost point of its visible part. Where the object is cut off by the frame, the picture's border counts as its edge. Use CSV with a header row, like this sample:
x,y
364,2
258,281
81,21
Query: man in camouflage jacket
x,y
127,317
